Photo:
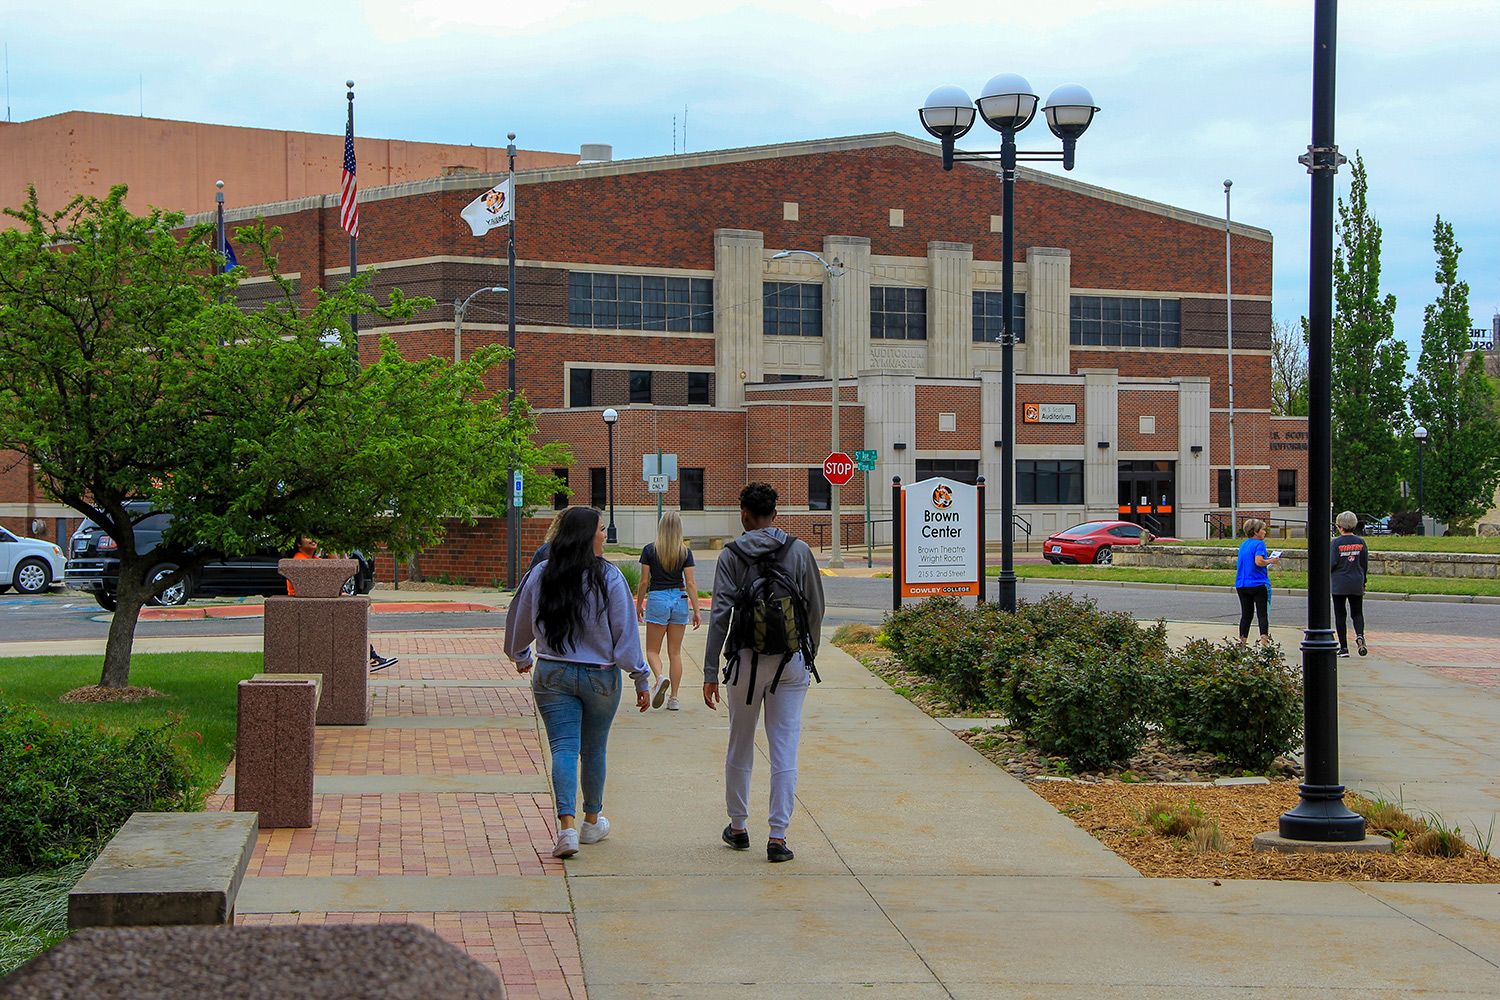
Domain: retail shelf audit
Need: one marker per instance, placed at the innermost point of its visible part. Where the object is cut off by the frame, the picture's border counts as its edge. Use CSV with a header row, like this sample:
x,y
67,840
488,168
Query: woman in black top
x,y
665,596
1349,559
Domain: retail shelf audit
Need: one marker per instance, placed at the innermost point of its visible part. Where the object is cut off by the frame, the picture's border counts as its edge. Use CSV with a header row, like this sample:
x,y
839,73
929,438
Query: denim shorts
x,y
667,607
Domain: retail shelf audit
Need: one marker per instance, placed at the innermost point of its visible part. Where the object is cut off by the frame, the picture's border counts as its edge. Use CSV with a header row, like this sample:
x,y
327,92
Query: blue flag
x,y
230,260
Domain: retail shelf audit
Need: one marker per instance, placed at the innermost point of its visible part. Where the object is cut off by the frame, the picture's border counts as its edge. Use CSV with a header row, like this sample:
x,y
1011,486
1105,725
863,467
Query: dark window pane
x,y
690,489
793,309
1286,487
581,387
560,498
1224,488
599,488
605,286
698,389
819,489
640,387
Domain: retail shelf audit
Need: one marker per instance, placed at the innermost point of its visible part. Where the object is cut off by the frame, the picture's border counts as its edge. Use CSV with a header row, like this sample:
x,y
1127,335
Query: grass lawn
x,y
1380,543
1225,578
200,687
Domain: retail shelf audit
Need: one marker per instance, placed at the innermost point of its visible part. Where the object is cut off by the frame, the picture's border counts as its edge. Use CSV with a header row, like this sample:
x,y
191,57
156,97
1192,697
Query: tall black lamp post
x,y
611,416
1421,435
1007,105
1321,815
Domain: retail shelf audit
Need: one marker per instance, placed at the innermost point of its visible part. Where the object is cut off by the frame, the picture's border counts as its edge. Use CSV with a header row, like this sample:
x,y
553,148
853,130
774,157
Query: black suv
x,y
93,567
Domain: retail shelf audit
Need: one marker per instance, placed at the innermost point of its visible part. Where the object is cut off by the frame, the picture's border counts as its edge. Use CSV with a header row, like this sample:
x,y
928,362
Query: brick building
x,y
650,286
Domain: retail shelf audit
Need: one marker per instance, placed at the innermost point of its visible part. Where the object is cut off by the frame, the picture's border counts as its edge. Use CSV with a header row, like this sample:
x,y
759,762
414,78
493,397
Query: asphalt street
x,y
67,615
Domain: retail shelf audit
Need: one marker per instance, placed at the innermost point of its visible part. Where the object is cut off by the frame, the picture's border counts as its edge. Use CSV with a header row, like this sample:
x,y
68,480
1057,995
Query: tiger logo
x,y
942,498
1032,413
494,201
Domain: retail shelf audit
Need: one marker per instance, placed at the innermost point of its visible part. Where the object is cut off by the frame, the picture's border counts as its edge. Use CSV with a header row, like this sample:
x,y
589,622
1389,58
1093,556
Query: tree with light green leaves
x,y
1453,398
129,372
1288,370
1369,365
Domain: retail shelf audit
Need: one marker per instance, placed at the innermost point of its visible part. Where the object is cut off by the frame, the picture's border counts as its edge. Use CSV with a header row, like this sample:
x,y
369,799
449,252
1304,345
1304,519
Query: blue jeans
x,y
577,704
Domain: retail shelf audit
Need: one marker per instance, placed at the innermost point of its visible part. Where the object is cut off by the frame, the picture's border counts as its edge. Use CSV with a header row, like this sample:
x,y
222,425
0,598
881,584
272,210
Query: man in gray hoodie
x,y
783,708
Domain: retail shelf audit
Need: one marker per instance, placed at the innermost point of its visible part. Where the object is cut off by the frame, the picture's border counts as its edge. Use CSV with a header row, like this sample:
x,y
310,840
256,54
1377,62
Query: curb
x,y
1198,588
259,610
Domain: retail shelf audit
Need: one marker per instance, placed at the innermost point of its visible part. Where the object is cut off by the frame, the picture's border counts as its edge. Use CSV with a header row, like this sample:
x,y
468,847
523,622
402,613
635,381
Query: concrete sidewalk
x,y
923,870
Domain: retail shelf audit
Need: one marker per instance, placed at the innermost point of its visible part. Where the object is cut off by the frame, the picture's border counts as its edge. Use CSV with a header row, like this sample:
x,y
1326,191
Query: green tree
x,y
128,371
1288,370
1369,365
1452,397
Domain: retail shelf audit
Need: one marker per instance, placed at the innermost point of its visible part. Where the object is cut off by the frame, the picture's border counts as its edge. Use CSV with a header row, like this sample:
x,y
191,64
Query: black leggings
x,y
1255,600
1356,608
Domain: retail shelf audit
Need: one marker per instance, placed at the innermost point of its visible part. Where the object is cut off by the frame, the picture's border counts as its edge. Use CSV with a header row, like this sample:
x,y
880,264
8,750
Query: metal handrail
x,y
1218,519
1017,521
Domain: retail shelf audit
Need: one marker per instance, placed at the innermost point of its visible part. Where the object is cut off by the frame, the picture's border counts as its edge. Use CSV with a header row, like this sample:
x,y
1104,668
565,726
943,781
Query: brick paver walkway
x,y
1463,658
423,732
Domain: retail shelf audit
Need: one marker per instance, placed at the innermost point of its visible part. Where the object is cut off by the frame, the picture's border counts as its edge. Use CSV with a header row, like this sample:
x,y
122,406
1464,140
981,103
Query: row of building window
x,y
795,309
642,388
689,488
1117,322
1286,488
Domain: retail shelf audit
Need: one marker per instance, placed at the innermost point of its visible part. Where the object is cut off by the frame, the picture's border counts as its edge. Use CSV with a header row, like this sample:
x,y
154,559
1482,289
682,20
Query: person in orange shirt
x,y
308,549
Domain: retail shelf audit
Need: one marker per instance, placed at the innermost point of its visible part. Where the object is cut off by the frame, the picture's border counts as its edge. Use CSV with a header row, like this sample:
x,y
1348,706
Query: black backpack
x,y
768,615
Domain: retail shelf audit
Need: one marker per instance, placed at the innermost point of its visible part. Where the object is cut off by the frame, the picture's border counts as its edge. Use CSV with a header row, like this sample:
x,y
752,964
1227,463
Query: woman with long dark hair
x,y
578,610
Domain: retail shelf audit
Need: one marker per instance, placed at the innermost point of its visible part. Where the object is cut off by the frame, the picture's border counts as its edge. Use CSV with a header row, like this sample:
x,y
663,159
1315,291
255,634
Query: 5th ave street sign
x,y
865,460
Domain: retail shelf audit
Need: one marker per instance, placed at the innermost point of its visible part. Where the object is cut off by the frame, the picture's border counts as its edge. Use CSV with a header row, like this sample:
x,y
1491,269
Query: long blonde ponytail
x,y
671,550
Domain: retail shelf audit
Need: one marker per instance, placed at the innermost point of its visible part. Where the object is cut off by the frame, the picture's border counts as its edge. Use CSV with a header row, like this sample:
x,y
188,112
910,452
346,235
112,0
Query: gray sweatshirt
x,y
733,572
610,637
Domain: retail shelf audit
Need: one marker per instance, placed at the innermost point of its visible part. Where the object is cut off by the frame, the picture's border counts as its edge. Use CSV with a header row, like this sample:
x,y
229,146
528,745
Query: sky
x,y
1192,91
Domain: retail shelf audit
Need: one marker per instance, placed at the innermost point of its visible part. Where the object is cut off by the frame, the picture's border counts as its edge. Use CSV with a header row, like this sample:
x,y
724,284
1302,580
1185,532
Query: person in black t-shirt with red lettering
x,y
1349,559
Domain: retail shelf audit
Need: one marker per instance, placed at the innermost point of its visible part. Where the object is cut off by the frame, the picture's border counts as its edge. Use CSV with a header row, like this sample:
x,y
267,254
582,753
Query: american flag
x,y
349,202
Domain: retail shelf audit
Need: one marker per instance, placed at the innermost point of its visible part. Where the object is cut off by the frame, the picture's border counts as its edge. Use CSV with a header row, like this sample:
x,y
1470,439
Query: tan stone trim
x,y
1136,293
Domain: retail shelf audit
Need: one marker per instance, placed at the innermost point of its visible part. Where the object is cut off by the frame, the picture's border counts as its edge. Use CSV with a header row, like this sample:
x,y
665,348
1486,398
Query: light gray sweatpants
x,y
783,712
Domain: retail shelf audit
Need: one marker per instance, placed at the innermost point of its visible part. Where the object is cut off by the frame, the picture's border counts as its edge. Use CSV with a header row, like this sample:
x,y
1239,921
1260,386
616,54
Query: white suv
x,y
28,564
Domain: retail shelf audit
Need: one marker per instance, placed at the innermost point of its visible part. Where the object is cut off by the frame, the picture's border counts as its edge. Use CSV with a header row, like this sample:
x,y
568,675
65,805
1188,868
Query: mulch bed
x,y
94,694
1113,804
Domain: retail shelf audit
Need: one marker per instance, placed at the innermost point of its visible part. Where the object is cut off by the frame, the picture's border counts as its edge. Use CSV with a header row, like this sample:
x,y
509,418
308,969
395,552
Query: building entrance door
x,y
1148,495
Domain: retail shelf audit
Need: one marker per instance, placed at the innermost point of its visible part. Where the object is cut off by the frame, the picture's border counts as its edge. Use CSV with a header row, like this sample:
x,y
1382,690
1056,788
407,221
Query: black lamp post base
x,y
610,535
1006,591
1321,816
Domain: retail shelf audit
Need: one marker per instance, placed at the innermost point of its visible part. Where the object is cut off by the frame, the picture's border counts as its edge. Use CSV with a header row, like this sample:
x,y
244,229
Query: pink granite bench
x,y
274,748
320,632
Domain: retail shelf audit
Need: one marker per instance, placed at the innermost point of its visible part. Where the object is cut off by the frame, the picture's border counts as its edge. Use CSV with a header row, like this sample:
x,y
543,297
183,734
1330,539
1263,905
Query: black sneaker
x,y
739,840
381,662
778,851
1344,653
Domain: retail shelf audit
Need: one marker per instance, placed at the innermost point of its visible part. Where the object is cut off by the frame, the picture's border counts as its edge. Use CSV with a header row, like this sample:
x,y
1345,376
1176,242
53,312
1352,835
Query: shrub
x,y
1086,704
632,571
1234,700
1405,522
68,788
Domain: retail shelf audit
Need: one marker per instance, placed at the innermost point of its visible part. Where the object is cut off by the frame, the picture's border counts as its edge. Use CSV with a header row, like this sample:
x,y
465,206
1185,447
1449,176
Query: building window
x,y
640,302
819,490
898,313
690,489
960,470
1049,482
1286,487
1114,322
698,389
599,488
581,387
560,498
793,309
988,319
1226,486
640,387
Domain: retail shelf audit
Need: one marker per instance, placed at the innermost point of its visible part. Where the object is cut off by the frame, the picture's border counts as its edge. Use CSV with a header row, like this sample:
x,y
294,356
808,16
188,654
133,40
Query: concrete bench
x,y
166,868
274,748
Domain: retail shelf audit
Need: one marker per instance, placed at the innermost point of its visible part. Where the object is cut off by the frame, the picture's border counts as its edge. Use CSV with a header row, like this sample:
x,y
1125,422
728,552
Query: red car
x,y
1093,542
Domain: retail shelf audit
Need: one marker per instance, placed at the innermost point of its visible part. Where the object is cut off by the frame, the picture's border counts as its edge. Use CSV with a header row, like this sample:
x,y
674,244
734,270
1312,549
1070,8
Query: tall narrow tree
x,y
1452,397
1369,365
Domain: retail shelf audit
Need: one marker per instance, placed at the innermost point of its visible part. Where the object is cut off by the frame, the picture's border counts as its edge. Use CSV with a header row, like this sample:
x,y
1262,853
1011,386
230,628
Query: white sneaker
x,y
592,833
672,705
661,691
567,843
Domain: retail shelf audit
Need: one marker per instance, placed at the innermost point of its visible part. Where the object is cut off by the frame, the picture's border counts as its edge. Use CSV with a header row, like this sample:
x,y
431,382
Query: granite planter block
x,y
388,962
166,868
274,750
328,636
318,577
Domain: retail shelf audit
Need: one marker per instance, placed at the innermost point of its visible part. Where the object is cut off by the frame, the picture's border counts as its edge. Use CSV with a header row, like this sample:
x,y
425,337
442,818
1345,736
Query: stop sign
x,y
839,468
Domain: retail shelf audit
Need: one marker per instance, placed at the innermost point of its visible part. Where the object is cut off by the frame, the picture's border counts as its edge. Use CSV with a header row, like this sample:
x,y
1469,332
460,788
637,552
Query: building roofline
x,y
747,154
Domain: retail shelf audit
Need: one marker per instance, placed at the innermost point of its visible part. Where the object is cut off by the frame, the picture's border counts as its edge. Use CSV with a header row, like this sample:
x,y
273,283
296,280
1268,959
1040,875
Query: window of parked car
x,y
1087,528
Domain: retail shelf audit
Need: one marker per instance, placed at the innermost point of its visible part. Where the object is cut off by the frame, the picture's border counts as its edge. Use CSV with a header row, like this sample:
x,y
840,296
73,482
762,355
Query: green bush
x,y
632,571
1240,702
1086,703
68,788
953,646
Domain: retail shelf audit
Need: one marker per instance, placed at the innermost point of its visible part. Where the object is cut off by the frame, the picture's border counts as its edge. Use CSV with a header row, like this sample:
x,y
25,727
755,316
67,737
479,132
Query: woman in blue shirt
x,y
1252,582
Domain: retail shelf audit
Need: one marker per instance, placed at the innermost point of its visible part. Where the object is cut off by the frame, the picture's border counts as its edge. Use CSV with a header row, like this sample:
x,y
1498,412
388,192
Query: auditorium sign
x,y
1049,413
